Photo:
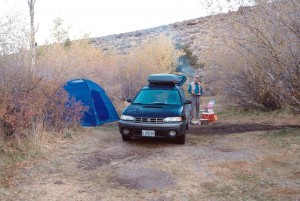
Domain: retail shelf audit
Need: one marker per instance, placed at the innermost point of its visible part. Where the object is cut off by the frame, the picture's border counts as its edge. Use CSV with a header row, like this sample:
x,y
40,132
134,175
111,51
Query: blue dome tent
x,y
101,109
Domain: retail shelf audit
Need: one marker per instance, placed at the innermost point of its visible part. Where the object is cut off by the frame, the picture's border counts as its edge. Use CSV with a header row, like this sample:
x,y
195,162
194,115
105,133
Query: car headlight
x,y
173,119
127,118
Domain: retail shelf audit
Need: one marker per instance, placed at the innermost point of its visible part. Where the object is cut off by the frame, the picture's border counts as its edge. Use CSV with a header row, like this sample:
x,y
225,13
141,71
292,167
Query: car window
x,y
181,91
151,96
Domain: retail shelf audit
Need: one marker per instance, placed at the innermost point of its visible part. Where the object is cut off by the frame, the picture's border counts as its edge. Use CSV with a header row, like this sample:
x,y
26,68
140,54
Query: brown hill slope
x,y
199,34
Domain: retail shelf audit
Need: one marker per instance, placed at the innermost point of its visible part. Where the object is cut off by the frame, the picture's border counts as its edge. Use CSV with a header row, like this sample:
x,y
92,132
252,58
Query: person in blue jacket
x,y
196,91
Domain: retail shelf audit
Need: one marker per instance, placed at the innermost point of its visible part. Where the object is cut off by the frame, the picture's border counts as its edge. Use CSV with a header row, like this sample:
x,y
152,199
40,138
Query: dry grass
x,y
259,165
273,176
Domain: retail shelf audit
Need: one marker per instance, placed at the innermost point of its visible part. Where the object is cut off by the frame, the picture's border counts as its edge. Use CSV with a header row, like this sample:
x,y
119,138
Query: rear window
x,y
158,97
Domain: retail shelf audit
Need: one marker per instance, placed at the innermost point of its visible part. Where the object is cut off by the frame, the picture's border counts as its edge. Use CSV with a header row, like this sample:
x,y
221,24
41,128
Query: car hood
x,y
155,111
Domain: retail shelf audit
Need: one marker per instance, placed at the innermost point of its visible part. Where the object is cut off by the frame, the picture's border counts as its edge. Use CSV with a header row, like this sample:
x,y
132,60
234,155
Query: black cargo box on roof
x,y
161,79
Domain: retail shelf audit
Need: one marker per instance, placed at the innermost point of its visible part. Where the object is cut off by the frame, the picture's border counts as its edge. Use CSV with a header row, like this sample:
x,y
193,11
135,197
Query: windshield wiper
x,y
159,103
154,103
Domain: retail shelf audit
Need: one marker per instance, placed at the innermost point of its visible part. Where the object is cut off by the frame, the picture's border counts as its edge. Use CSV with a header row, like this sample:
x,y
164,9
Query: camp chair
x,y
209,106
207,113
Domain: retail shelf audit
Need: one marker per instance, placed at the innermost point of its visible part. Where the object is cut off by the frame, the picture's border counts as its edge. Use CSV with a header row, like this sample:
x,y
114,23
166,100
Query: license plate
x,y
148,133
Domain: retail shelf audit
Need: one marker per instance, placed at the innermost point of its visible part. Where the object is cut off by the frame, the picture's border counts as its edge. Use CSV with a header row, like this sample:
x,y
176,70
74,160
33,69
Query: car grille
x,y
149,120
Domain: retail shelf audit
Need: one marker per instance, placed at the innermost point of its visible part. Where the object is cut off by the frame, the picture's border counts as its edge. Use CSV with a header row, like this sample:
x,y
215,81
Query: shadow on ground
x,y
224,129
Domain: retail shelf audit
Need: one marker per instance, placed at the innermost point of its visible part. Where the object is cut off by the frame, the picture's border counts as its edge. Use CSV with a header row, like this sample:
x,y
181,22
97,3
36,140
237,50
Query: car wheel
x,y
126,138
181,139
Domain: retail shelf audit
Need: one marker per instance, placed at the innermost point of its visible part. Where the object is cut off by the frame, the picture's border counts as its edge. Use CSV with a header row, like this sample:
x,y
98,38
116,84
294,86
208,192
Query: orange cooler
x,y
211,116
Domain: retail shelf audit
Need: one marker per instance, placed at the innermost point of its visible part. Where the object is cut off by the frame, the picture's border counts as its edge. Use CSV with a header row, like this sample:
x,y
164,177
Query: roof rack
x,y
168,79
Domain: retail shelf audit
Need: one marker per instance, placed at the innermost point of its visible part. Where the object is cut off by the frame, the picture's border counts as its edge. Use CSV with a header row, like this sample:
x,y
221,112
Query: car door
x,y
186,108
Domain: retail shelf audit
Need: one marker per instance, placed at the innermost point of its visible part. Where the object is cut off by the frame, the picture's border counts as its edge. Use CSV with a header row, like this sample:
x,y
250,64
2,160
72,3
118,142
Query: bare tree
x,y
12,34
60,32
262,55
31,4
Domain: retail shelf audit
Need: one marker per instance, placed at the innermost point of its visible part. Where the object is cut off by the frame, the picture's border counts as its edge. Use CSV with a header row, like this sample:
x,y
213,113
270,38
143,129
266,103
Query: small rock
x,y
295,146
59,182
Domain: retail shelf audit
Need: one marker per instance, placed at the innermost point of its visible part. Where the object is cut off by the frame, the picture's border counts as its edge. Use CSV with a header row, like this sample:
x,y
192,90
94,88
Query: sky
x,y
105,17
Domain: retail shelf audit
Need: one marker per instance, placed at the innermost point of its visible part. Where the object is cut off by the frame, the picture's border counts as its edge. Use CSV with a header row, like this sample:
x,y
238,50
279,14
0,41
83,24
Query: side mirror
x,y
186,102
129,100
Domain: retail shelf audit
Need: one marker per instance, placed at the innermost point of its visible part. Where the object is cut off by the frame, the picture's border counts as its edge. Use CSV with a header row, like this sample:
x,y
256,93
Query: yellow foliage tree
x,y
155,56
122,75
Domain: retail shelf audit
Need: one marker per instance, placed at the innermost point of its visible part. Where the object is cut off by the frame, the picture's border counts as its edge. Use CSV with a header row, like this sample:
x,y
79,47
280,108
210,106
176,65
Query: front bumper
x,y
161,130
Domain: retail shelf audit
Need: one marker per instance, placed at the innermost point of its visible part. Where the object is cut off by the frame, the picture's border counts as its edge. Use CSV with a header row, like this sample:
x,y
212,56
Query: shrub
x,y
155,56
37,102
260,62
62,113
34,101
193,59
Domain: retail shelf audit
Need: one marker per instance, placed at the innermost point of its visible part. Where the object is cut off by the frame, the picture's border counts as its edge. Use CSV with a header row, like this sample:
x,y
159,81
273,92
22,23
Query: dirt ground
x,y
255,158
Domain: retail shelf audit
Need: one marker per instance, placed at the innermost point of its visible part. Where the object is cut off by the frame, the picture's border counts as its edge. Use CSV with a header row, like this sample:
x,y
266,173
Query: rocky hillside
x,y
203,36
198,34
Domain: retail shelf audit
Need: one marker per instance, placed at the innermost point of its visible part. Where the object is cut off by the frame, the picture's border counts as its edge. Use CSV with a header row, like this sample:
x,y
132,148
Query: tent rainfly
x,y
101,109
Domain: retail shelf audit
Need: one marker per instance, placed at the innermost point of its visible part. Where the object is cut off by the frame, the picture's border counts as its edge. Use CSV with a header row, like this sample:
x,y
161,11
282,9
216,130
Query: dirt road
x,y
221,161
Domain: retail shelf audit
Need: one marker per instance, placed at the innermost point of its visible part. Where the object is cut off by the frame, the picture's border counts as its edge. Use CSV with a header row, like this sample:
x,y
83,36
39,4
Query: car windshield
x,y
158,97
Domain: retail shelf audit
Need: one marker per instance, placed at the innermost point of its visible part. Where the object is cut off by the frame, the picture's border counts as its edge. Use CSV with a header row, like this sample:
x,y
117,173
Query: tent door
x,y
100,106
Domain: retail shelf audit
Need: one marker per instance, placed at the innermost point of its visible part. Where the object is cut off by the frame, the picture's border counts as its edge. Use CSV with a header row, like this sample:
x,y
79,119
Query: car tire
x,y
126,138
181,139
